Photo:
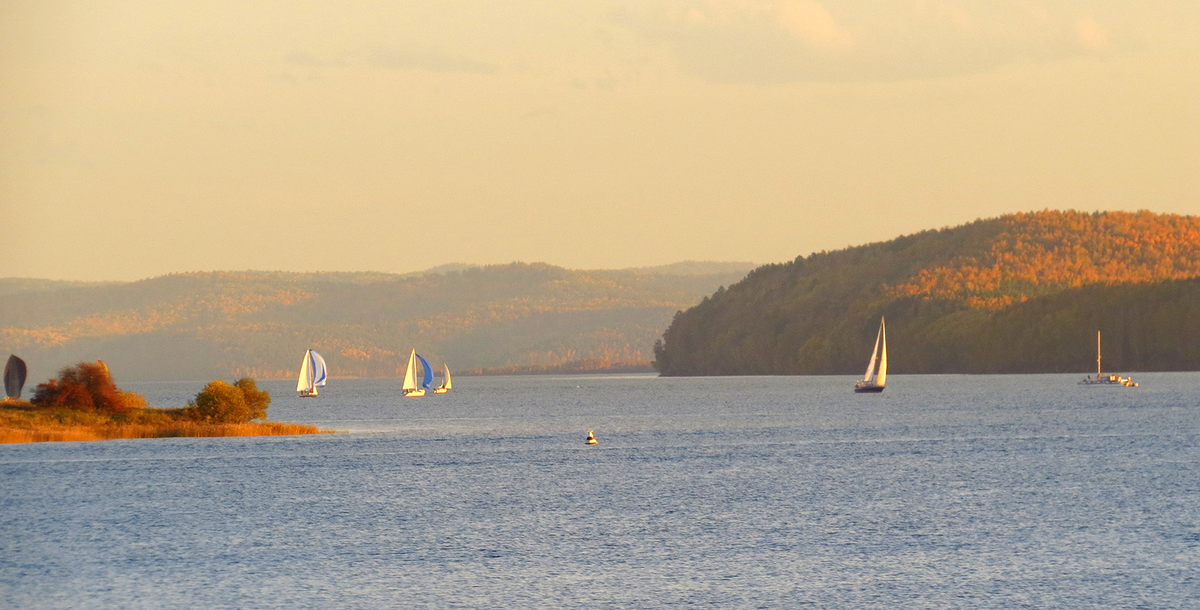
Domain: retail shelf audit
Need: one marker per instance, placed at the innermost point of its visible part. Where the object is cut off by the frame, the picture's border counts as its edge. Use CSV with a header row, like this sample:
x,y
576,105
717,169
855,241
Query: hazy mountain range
x,y
227,324
1020,293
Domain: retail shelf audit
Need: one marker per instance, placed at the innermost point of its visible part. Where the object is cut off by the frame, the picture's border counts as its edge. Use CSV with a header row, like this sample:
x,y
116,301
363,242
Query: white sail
x,y
881,376
410,380
304,383
446,383
874,352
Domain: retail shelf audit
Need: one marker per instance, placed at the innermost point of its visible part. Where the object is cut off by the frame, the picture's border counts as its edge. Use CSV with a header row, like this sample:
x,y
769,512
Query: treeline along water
x,y
945,491
1022,293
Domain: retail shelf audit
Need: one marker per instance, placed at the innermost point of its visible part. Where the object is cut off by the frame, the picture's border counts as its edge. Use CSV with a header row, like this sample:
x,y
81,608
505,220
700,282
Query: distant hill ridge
x,y
17,285
1020,293
233,323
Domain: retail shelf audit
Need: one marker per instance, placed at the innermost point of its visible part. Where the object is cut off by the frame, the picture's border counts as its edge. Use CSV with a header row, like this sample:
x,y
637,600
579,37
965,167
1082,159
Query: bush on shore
x,y
220,402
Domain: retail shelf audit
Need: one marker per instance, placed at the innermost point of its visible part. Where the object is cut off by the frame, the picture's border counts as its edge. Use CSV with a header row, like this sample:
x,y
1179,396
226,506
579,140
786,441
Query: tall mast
x,y
1097,354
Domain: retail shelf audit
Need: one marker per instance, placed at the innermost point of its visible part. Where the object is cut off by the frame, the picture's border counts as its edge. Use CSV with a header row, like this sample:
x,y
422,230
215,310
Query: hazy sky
x,y
139,138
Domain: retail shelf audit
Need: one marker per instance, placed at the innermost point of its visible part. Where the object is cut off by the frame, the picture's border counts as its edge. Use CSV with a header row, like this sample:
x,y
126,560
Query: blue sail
x,y
320,373
428,379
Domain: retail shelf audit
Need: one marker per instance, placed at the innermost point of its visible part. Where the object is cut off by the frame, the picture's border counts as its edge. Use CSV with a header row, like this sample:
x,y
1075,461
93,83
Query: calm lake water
x,y
779,492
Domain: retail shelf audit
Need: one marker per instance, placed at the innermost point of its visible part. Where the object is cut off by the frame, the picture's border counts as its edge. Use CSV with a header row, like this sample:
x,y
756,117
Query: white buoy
x,y
591,440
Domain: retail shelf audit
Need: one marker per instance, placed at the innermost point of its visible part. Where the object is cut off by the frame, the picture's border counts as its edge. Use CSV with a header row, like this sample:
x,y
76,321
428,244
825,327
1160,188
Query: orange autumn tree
x,y
86,386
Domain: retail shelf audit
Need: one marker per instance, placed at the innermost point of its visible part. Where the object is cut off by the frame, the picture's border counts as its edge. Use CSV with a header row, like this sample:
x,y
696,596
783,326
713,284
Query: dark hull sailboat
x,y
868,389
14,377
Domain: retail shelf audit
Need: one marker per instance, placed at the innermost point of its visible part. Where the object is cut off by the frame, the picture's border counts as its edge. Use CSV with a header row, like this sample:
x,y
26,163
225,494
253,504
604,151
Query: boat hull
x,y
1110,381
868,389
414,393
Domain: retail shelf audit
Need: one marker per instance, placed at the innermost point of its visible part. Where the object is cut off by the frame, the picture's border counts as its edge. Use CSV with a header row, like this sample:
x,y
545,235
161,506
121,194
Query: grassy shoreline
x,y
23,422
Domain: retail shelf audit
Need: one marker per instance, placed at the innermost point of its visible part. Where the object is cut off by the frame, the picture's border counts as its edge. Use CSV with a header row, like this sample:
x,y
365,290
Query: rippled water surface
x,y
945,491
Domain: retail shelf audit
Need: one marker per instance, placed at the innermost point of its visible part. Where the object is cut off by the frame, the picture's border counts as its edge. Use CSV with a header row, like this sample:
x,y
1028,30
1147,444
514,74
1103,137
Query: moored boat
x,y
1107,379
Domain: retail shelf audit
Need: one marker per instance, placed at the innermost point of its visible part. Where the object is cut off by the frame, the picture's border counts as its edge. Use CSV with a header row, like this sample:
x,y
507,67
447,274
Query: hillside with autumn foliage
x,y
258,324
1019,293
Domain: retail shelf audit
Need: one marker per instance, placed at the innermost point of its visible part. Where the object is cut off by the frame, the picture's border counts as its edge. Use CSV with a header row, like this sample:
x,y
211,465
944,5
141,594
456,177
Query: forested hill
x,y
230,324
1020,293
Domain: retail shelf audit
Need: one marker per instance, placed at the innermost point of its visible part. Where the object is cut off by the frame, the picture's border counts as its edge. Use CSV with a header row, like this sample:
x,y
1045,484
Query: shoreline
x,y
22,422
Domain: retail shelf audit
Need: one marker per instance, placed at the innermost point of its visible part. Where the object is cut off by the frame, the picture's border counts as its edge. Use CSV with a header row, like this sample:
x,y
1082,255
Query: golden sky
x,y
139,138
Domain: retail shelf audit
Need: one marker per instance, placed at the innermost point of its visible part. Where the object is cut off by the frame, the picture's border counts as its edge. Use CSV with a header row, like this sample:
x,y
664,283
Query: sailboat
x,y
312,374
445,387
14,377
1109,379
875,379
410,386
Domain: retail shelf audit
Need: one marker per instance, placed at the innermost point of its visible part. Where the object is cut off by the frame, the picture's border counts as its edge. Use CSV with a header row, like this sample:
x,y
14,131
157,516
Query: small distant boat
x,y
445,387
591,439
875,379
14,377
312,374
410,386
1107,379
